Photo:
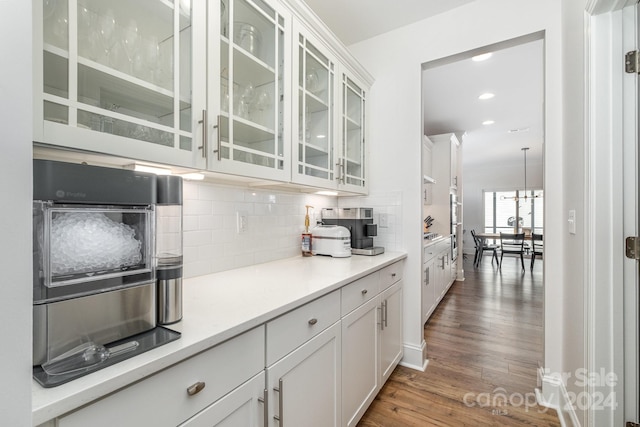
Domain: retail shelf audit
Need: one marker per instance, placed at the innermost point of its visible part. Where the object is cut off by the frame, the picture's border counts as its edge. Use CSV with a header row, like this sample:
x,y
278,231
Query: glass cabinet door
x,y
253,96
314,162
117,77
352,155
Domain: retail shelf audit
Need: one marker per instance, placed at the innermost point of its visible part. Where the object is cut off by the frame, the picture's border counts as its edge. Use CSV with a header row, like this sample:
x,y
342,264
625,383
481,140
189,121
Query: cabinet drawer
x,y
292,329
357,293
390,275
162,399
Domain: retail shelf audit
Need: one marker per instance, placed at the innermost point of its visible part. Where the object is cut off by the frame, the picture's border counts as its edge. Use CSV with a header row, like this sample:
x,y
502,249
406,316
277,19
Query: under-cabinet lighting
x,y
193,176
488,122
327,193
485,96
321,136
149,169
482,57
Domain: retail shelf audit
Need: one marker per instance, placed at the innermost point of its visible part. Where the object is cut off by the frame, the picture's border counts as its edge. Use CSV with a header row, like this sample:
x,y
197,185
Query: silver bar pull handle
x,y
381,317
279,390
265,403
218,149
205,130
386,313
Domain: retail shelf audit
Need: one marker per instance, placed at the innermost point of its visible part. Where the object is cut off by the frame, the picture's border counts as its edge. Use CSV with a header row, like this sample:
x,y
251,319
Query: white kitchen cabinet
x,y
428,282
249,83
176,394
304,387
371,339
352,150
329,119
314,119
244,407
445,154
119,77
360,360
427,171
390,330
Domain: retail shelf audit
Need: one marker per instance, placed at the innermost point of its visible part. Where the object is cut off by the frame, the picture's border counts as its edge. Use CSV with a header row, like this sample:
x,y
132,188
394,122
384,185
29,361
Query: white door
x,y
304,386
390,330
631,226
360,364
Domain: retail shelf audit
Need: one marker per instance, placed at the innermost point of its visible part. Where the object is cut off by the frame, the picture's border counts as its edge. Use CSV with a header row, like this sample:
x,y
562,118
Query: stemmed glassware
x,y
130,42
262,102
107,32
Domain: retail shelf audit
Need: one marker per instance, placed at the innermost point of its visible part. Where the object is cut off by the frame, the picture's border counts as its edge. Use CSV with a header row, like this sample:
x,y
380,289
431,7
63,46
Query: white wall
x,y
394,59
15,219
478,178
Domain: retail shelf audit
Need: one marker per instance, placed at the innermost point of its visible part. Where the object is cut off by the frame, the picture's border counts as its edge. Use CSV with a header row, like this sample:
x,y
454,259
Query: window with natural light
x,y
506,210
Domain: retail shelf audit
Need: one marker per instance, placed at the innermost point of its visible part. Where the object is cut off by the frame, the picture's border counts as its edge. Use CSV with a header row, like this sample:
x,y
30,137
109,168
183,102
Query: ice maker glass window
x,y
81,244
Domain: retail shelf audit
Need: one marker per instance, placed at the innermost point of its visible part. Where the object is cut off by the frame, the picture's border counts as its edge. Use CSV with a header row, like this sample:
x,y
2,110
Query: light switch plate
x,y
572,221
384,220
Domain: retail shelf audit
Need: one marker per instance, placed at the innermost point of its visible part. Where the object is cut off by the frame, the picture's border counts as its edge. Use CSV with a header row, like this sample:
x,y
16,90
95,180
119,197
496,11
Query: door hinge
x,y
632,247
631,62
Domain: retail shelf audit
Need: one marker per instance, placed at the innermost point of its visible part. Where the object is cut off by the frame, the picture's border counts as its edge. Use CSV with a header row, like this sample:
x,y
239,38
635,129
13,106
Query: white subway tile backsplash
x,y
275,221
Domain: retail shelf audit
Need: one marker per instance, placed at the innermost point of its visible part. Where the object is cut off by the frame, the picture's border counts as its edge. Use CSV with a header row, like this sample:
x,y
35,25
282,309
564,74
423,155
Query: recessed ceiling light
x,y
486,95
488,122
482,57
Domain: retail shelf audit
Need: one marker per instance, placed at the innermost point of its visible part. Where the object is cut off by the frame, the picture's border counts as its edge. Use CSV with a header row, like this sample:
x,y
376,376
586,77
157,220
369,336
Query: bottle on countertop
x,y
306,236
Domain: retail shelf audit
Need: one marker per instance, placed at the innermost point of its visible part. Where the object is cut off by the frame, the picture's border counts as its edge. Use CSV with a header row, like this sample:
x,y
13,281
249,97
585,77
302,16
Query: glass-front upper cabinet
x,y
118,77
249,108
314,157
352,152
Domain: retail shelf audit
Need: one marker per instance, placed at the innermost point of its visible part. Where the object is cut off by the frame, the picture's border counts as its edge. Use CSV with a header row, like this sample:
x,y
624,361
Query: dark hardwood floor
x,y
484,343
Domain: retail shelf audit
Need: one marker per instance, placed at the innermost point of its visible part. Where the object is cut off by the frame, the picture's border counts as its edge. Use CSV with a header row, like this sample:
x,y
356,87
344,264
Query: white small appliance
x,y
331,240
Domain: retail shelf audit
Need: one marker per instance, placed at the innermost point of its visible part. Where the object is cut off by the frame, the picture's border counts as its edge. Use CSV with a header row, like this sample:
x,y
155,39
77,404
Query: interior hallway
x,y
484,343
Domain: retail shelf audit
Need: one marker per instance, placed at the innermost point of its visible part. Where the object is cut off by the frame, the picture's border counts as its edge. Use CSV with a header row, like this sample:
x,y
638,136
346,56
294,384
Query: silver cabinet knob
x,y
196,388
313,321
364,291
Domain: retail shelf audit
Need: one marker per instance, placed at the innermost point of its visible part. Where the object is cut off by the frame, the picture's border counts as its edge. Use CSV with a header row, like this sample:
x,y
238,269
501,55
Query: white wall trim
x,y
415,357
554,395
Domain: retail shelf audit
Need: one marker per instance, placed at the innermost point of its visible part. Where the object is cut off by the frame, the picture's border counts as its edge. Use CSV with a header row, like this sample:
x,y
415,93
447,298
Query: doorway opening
x,y
492,100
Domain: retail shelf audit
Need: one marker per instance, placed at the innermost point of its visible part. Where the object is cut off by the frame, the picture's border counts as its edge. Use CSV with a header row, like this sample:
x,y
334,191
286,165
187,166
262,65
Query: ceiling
x,y
515,76
451,87
356,20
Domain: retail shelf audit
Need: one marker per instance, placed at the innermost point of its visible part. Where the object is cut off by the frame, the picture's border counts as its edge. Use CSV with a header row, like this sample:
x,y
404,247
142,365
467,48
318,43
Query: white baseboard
x,y
554,395
414,357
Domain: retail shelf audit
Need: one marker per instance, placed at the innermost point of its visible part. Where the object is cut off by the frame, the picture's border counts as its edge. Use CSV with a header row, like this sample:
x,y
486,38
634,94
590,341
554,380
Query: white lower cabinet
x,y
244,407
360,360
174,395
371,340
390,330
304,386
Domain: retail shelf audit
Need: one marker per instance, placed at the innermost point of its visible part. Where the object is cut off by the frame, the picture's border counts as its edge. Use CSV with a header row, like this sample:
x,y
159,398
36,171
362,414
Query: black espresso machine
x,y
94,268
359,222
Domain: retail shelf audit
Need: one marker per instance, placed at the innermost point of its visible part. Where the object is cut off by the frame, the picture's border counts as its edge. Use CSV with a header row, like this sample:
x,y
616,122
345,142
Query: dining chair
x,y
512,244
481,246
537,244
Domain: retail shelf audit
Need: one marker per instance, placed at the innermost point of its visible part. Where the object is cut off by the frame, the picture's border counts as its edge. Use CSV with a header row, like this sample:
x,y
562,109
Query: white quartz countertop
x,y
216,307
427,242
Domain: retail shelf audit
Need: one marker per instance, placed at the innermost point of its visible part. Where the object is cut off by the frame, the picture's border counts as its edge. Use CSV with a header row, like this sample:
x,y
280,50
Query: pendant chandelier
x,y
526,196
